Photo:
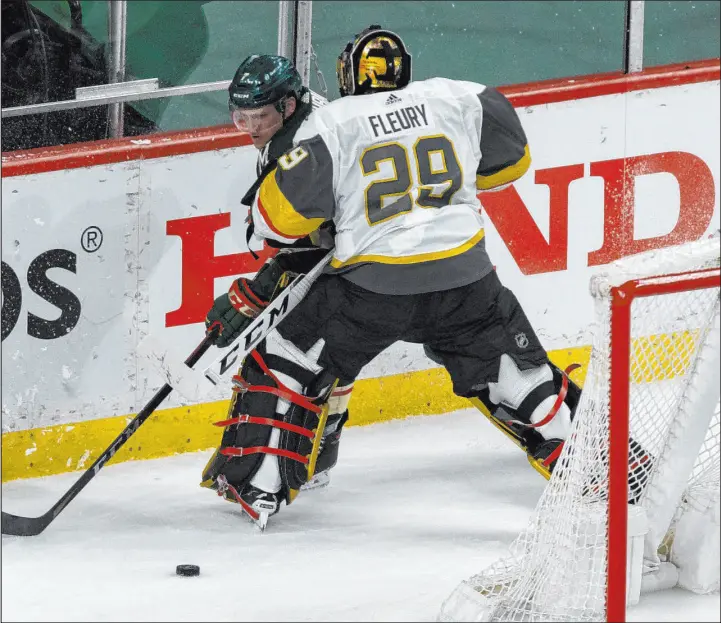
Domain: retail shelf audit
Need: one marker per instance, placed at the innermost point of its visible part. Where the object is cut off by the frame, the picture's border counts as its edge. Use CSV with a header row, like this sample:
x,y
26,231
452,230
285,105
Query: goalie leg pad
x,y
337,417
291,370
238,470
299,372
294,474
530,396
522,423
324,421
324,417
284,423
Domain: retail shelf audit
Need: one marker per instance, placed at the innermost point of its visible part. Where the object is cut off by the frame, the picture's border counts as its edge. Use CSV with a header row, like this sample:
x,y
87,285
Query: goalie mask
x,y
376,60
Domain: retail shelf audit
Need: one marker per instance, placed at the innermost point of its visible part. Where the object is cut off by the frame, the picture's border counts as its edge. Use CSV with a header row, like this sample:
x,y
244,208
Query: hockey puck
x,y
187,571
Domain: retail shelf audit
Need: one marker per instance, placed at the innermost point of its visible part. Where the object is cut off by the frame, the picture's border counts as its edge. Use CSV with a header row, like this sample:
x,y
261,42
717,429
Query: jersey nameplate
x,y
399,121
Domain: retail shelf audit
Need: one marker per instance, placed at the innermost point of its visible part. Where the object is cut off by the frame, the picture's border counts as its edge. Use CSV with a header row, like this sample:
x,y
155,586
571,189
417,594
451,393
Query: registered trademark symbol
x,y
91,239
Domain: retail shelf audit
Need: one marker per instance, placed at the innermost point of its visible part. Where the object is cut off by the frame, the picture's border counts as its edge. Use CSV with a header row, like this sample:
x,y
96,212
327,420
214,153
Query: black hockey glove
x,y
233,312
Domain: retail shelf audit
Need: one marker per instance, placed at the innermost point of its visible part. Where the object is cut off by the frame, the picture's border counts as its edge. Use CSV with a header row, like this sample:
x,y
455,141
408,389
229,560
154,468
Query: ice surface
x,y
413,508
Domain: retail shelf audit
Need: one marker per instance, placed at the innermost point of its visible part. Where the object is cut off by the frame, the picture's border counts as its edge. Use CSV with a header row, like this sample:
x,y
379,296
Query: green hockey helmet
x,y
263,79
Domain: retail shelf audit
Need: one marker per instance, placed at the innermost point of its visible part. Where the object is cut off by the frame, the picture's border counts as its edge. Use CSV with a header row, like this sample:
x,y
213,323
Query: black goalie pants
x,y
467,328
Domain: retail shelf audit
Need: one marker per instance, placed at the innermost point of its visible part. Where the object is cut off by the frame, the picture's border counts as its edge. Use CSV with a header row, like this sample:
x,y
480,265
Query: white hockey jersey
x,y
398,174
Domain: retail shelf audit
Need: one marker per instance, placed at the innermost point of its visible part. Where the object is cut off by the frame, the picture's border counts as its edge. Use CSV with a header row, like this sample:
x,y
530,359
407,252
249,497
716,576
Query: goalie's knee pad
x,y
534,398
534,407
525,399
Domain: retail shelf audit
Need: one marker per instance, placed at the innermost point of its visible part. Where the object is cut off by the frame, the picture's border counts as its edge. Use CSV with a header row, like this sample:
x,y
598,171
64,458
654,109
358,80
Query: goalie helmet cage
x,y
633,503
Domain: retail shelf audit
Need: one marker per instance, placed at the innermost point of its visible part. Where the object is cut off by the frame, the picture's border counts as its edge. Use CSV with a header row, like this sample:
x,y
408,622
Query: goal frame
x,y
621,299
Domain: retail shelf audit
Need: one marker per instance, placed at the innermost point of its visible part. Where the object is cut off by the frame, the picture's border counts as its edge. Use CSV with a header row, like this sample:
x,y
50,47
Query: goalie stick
x,y
16,525
194,384
265,322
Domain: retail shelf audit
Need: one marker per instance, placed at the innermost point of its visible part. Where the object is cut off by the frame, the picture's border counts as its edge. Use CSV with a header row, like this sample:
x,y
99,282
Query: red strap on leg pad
x,y
559,399
299,426
265,450
248,419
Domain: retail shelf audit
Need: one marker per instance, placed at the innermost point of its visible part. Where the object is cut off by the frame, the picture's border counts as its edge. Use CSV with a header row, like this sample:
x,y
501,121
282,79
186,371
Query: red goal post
x,y
633,503
622,298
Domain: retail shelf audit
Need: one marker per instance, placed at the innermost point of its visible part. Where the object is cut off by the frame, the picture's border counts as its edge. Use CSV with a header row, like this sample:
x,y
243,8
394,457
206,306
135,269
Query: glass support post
x,y
286,20
303,23
117,34
633,37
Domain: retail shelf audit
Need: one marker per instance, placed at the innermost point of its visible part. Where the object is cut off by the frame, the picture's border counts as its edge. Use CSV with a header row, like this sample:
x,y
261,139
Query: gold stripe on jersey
x,y
507,175
412,259
279,213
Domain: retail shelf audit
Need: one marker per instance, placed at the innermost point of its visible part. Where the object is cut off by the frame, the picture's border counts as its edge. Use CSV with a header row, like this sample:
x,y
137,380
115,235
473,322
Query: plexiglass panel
x,y
494,43
680,31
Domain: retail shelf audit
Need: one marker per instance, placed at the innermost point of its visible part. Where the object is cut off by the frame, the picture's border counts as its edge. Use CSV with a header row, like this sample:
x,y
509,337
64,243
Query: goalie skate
x,y
257,505
318,481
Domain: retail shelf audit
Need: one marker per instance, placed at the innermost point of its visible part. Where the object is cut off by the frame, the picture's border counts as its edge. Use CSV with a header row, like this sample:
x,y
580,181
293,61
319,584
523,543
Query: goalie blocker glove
x,y
233,312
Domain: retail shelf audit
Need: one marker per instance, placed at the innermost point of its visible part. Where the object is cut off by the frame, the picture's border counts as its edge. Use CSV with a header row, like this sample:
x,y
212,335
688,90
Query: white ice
x,y
413,508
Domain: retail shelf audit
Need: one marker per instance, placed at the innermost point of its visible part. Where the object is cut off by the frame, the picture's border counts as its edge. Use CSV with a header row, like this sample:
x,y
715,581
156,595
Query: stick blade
x,y
14,525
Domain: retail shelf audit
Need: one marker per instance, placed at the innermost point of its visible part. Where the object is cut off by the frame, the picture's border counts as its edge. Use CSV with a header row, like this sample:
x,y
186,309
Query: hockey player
x,y
268,101
396,167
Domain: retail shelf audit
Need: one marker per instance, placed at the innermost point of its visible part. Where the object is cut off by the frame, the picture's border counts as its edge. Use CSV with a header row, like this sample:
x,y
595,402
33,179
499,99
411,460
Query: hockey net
x,y
641,463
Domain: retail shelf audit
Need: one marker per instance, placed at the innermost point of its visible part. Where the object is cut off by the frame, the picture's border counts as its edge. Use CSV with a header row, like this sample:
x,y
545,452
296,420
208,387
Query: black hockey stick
x,y
32,526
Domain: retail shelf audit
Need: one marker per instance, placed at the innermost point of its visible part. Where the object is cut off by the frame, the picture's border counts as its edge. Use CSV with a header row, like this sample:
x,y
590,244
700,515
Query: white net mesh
x,y
557,568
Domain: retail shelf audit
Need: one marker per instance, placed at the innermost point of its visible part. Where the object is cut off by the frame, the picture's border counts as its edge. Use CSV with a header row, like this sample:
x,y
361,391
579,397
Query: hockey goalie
x,y
391,171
